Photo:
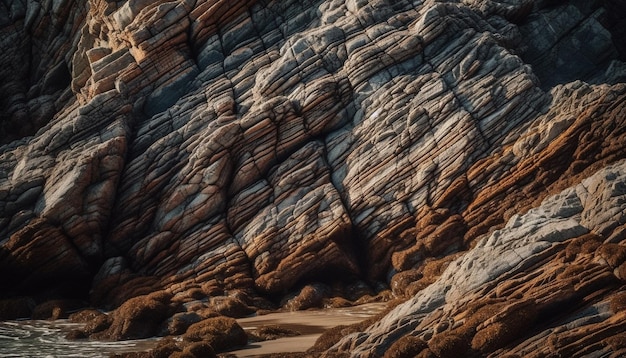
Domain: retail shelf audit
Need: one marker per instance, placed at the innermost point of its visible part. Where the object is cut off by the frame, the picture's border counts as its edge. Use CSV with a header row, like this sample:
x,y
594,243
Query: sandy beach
x,y
310,324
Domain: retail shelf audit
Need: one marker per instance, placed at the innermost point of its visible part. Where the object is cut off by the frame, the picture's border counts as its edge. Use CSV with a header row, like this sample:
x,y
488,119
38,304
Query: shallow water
x,y
45,339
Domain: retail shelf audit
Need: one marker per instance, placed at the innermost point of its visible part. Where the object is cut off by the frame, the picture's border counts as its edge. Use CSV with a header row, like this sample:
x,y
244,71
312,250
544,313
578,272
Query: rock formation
x,y
467,153
549,282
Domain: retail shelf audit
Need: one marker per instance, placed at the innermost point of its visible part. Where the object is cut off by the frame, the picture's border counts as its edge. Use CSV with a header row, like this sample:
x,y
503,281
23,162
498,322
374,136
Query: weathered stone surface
x,y
220,332
310,296
203,147
516,280
139,317
84,315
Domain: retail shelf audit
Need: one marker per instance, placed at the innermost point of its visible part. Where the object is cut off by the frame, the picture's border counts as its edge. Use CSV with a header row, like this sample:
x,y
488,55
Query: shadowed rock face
x,y
179,145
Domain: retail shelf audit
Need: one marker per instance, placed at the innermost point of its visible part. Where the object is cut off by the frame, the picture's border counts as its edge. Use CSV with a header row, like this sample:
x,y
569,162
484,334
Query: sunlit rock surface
x,y
547,283
185,145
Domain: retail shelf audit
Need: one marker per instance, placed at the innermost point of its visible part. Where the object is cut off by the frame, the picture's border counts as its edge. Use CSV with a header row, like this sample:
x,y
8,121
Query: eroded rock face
x,y
553,265
202,146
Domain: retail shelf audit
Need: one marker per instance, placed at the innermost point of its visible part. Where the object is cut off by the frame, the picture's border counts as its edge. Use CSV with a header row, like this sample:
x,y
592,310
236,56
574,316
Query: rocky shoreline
x,y
198,325
178,162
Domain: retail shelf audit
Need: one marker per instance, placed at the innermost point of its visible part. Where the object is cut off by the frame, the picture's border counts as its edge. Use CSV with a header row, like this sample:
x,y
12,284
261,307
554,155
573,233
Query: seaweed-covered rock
x,y
221,333
139,317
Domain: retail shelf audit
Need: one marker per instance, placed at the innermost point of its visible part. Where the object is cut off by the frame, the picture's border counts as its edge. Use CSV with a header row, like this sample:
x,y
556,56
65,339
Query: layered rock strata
x,y
198,147
549,283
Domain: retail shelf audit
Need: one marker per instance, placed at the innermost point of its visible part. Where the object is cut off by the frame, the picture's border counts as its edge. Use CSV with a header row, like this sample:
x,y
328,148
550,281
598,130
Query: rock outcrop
x,y
548,283
197,147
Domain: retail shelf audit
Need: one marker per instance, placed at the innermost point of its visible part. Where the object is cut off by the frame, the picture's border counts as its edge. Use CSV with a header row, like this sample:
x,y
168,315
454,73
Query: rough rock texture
x,y
139,317
204,146
547,284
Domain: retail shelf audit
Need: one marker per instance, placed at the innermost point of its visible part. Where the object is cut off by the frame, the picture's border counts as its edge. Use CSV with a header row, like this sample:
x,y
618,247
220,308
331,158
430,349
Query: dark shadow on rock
x,y
576,40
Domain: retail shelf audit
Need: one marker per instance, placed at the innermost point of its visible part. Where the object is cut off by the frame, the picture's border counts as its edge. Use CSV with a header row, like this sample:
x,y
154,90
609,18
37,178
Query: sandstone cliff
x,y
467,153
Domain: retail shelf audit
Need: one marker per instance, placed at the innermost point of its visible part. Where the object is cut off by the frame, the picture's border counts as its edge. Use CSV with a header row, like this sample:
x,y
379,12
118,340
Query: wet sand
x,y
310,324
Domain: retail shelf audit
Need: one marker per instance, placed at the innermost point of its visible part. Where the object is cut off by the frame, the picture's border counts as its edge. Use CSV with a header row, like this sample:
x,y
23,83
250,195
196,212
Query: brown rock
x,y
179,323
447,237
330,337
621,271
42,244
16,308
97,324
55,309
85,315
165,348
410,282
310,296
613,254
407,346
139,317
271,332
231,307
212,288
415,287
617,342
401,281
221,333
337,302
618,302
448,345
585,244
132,355
190,295
243,296
358,289
333,335
505,326
76,334
198,349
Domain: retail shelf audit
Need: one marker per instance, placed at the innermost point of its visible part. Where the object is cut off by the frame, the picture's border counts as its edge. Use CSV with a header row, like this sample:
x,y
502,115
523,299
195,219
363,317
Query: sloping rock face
x,y
187,145
549,283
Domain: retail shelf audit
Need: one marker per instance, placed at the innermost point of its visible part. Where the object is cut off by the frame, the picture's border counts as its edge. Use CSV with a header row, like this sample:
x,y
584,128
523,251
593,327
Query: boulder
x,y
221,333
310,296
139,317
